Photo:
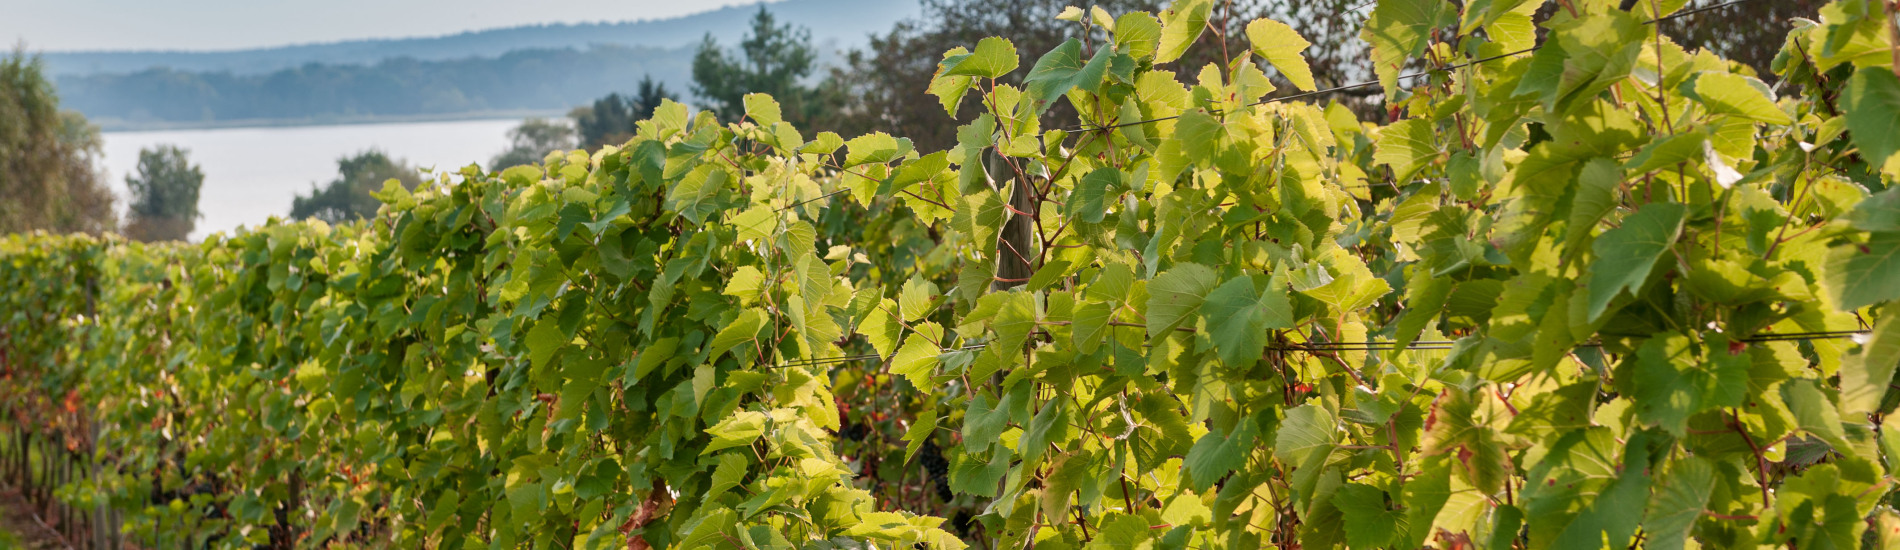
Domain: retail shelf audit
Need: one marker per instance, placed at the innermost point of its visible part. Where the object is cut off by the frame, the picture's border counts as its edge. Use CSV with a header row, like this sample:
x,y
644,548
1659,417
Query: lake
x,y
252,174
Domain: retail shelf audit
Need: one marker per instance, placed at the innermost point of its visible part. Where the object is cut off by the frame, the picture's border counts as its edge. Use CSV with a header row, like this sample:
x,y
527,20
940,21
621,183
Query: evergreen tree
x,y
772,59
611,119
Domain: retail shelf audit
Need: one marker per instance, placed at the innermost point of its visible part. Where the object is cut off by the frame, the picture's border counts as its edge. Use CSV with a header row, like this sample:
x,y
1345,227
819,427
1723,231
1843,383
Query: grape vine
x,y
1587,289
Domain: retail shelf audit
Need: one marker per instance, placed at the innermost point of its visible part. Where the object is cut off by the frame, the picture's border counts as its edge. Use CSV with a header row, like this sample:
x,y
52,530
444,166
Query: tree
x,y
648,98
1750,33
772,59
47,175
532,141
610,119
885,87
349,196
164,195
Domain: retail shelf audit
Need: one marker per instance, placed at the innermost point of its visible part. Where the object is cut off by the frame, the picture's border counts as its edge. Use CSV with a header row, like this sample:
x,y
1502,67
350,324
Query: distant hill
x,y
545,81
833,23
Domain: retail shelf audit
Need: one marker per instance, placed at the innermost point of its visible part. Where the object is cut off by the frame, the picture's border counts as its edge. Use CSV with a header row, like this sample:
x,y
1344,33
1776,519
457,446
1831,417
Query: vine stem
x,y
1893,32
1761,462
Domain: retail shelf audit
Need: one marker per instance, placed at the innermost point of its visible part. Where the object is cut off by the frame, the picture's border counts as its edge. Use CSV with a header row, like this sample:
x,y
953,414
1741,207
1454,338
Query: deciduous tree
x,y
532,141
164,195
47,177
349,196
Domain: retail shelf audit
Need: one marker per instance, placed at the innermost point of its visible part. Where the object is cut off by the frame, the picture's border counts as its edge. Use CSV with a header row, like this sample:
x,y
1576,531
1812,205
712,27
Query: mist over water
x,y
252,174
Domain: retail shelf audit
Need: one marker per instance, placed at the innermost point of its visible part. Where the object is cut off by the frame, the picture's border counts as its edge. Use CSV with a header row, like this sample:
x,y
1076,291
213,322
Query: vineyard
x,y
1587,289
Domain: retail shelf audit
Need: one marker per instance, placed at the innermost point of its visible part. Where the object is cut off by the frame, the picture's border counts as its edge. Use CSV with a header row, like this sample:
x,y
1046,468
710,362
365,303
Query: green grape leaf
x,y
993,58
1398,31
876,147
1407,147
1860,275
1175,297
1307,429
982,423
1866,374
1733,94
1597,185
1678,503
693,197
824,144
1050,425
1872,105
1618,510
919,433
971,476
1671,383
1180,27
917,299
1090,326
543,340
1282,46
1062,69
1814,413
742,428
756,223
1089,203
1214,456
916,361
762,109
1239,318
1139,32
744,328
950,89
1626,255
731,470
1371,522
1667,152
1879,212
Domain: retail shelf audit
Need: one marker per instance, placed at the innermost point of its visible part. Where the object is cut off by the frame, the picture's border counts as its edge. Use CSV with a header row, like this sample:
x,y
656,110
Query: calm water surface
x,y
251,174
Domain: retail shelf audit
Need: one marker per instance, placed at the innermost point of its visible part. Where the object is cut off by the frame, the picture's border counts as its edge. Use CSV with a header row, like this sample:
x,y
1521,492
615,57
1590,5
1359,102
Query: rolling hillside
x,y
501,72
837,23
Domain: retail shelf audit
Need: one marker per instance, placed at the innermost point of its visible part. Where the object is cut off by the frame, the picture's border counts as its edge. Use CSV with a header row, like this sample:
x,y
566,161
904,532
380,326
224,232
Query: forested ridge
x,y
1580,287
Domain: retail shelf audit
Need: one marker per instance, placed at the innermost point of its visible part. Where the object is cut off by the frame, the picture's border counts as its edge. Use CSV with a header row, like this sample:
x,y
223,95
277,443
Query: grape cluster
x,y
855,431
936,469
963,523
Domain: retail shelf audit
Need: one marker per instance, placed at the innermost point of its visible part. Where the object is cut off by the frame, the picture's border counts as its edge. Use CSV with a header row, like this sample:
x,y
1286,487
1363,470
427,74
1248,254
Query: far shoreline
x,y
120,126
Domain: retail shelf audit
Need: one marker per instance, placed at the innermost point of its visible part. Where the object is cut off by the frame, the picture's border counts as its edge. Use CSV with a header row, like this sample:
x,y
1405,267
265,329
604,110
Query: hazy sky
x,y
64,25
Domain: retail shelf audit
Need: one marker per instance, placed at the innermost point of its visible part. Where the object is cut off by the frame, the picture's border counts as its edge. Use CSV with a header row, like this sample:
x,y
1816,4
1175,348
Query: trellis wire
x,y
1372,345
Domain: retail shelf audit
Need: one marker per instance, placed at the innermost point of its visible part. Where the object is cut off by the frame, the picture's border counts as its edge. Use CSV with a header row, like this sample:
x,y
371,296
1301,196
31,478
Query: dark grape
x,y
962,523
855,431
936,469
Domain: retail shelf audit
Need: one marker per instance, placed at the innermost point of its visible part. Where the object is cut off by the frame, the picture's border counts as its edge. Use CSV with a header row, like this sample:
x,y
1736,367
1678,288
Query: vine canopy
x,y
1587,288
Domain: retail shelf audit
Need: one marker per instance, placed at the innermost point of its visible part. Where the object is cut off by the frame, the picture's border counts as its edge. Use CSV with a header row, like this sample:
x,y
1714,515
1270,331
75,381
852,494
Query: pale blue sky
x,y
66,25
